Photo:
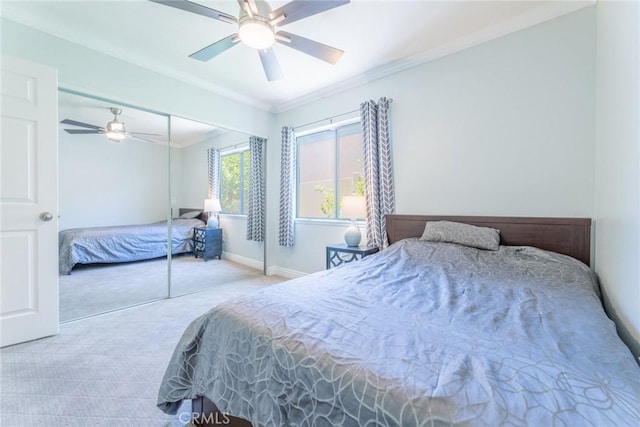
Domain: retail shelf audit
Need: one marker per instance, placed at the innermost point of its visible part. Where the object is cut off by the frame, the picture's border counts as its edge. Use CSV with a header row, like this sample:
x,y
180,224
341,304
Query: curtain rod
x,y
327,118
332,117
236,145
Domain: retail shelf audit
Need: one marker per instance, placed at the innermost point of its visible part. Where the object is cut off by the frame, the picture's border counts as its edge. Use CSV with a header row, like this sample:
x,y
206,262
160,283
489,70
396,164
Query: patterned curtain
x,y
378,170
287,184
213,162
255,210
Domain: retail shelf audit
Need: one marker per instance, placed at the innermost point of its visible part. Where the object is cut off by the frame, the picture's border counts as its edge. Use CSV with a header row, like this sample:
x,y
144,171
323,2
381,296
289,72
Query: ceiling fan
x,y
114,130
258,28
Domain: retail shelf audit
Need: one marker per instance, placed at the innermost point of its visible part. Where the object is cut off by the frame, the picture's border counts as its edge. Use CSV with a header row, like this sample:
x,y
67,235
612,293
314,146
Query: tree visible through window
x,y
234,182
329,164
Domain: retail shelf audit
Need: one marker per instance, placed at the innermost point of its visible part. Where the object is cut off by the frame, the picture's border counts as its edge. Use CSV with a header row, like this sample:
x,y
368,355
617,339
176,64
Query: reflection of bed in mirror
x,y
421,333
125,243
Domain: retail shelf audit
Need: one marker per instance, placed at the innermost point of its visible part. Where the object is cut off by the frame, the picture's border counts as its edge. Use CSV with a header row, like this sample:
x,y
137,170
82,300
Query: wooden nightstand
x,y
341,253
207,242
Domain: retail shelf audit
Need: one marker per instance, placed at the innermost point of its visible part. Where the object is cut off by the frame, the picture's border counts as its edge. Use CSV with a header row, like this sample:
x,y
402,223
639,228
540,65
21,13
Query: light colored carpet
x,y
105,370
99,288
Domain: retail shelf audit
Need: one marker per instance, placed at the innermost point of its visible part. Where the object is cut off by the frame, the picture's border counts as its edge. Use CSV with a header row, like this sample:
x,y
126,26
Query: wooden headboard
x,y
569,236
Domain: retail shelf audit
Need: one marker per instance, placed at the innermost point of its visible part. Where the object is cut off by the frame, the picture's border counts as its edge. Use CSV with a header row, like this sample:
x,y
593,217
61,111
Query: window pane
x,y
230,183
351,166
246,164
316,175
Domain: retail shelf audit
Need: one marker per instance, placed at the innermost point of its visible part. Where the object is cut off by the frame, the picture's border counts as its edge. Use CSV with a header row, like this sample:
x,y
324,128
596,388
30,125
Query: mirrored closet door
x,y
210,169
134,183
113,203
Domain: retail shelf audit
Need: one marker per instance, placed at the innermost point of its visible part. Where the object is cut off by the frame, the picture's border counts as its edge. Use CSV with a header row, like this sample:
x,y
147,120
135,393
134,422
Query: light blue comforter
x,y
420,334
123,243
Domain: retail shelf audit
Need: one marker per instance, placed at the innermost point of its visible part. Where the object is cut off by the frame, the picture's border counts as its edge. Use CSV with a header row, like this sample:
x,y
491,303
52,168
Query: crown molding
x,y
535,16
529,19
99,46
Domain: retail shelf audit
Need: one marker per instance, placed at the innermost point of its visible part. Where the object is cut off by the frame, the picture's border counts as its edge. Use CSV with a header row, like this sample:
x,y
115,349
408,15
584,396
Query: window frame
x,y
335,128
241,153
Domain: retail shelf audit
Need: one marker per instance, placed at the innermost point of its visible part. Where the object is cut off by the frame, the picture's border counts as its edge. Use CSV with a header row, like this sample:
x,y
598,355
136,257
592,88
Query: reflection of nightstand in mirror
x,y
207,242
341,253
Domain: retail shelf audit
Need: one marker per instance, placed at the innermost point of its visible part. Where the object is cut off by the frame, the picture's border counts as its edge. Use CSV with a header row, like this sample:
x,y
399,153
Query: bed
x,y
423,333
125,243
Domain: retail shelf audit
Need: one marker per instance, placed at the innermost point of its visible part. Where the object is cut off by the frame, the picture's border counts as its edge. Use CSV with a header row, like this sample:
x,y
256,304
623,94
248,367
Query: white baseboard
x,y
249,262
284,272
271,271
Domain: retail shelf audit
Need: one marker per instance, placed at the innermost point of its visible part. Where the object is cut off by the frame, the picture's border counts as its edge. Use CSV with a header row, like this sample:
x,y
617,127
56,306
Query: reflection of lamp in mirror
x,y
212,206
353,207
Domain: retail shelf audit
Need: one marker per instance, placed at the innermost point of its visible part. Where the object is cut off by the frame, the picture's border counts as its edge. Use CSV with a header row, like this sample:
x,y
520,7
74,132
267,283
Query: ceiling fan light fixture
x,y
258,24
115,131
115,136
256,33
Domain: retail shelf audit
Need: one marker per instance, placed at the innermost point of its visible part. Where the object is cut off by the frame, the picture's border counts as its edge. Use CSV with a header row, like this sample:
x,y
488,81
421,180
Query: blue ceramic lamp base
x,y
212,222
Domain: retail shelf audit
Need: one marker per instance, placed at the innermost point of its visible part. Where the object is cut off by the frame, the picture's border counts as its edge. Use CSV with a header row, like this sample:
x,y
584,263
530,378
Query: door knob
x,y
46,216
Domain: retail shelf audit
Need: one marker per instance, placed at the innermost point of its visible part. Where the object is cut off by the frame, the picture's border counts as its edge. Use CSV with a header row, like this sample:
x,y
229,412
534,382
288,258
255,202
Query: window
x,y
329,163
234,182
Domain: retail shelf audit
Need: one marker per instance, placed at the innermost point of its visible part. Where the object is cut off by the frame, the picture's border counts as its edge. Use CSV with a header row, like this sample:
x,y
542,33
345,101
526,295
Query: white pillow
x,y
462,234
190,215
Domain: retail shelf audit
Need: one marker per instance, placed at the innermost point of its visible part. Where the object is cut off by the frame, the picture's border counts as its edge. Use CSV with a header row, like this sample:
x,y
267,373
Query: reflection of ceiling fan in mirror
x,y
257,28
114,130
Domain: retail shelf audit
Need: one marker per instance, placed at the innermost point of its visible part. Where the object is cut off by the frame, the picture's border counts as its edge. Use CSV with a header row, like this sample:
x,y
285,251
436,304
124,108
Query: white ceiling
x,y
378,37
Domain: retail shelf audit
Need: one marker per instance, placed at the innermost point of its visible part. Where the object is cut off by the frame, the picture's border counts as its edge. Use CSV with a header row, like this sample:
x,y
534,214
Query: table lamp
x,y
212,206
353,207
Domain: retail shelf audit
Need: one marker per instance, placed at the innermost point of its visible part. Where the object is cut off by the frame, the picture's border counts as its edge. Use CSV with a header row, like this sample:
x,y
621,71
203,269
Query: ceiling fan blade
x,y
142,133
310,47
198,9
141,139
81,131
270,64
83,125
299,9
206,53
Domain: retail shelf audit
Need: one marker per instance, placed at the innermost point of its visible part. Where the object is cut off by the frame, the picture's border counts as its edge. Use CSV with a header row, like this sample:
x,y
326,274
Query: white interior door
x,y
28,202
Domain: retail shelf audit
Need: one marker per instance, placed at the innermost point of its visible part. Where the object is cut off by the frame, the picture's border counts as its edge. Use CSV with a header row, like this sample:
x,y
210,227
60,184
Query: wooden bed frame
x,y
568,236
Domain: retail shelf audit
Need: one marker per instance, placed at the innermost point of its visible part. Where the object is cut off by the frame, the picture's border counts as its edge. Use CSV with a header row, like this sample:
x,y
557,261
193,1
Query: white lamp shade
x,y
353,207
212,205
